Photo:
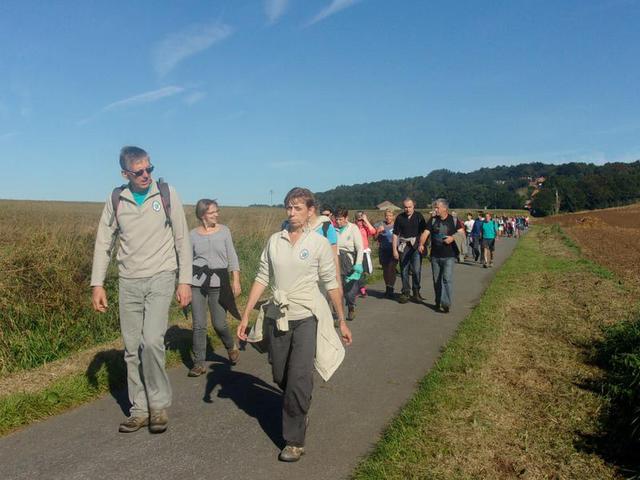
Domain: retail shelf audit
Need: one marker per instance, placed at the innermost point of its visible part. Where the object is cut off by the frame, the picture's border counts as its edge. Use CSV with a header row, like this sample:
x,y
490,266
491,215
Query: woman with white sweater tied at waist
x,y
296,323
350,252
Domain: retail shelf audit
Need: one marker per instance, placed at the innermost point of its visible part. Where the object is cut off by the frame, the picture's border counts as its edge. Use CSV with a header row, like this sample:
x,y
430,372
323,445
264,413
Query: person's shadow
x,y
252,395
112,362
116,372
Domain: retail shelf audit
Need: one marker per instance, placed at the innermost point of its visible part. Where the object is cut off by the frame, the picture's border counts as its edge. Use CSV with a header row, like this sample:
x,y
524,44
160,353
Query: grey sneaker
x,y
291,454
234,355
197,371
158,421
133,424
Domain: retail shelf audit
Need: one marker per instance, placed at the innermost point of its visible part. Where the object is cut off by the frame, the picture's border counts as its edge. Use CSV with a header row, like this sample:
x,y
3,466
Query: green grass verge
x,y
407,448
105,373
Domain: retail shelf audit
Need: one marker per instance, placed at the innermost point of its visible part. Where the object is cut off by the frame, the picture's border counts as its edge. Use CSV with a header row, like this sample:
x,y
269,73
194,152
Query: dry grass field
x,y
610,237
45,258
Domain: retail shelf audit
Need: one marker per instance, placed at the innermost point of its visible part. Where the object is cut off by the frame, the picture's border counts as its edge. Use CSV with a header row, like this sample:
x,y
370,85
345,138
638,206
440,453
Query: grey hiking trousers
x,y
291,354
144,315
199,303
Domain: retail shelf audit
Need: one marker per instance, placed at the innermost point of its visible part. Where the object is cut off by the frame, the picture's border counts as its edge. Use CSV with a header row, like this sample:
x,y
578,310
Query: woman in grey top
x,y
213,257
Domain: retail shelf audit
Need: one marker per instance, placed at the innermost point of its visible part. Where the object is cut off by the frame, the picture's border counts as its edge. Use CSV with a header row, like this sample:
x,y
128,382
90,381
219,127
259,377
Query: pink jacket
x,y
365,232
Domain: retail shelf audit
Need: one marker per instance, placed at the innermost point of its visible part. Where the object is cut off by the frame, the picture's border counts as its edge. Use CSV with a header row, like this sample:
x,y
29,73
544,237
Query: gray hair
x,y
443,202
130,154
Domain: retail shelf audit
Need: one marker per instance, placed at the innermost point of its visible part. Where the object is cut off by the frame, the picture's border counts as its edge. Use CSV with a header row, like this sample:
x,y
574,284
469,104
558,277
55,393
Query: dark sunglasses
x,y
138,173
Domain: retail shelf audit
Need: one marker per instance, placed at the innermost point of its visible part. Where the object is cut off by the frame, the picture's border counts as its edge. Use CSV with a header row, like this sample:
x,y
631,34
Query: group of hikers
x,y
314,266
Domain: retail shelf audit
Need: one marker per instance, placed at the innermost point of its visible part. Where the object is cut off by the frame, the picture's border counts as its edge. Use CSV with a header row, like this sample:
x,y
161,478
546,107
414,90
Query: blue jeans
x,y
442,269
410,259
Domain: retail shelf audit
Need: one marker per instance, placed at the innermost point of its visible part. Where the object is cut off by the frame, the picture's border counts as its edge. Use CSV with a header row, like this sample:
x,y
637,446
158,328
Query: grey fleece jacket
x,y
147,245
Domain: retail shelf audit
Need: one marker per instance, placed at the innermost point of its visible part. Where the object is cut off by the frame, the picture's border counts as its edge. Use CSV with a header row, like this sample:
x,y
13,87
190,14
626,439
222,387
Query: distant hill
x,y
579,186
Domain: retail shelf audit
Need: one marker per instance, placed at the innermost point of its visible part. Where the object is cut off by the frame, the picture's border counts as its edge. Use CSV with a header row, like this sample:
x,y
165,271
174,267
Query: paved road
x,y
226,425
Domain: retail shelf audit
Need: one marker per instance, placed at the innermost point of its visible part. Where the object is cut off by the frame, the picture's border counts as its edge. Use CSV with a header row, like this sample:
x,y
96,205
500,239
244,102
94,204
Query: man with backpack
x,y
149,221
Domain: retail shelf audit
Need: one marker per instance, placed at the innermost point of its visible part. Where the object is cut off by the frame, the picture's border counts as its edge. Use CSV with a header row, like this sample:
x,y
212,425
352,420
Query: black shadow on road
x,y
252,395
113,361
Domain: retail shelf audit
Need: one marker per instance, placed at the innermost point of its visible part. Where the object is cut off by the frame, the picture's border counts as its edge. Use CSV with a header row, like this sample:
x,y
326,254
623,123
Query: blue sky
x,y
236,98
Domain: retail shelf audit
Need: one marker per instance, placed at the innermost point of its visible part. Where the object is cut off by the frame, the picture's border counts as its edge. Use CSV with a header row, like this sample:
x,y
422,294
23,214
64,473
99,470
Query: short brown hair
x,y
299,193
342,212
203,205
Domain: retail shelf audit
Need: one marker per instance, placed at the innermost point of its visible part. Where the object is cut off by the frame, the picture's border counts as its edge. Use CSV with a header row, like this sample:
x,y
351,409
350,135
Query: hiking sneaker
x,y
416,297
197,371
133,424
234,355
158,421
404,298
351,314
291,454
445,308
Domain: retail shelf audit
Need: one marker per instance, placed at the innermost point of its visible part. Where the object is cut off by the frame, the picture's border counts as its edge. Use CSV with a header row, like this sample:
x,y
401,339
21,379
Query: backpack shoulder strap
x,y
165,197
115,202
325,229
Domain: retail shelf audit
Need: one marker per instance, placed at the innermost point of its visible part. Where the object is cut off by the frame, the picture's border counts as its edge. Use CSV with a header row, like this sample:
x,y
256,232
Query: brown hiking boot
x,y
404,298
291,454
158,421
197,371
133,424
234,355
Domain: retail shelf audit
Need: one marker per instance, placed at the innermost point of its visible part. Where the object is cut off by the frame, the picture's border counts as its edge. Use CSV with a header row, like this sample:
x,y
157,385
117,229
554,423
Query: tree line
x,y
566,188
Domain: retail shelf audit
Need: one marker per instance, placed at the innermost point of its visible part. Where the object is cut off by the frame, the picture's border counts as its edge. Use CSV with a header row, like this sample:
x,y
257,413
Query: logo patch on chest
x,y
156,206
304,254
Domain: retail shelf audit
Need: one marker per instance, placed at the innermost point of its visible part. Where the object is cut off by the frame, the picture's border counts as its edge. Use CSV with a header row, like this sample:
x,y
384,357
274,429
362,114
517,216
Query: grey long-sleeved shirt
x,y
215,250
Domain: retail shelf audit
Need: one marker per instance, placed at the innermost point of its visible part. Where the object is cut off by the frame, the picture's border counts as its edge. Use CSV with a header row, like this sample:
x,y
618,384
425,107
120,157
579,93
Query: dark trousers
x,y
350,290
291,355
410,263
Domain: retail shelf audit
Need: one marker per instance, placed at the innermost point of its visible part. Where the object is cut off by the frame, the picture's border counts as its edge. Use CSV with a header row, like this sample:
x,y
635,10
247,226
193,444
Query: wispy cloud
x,y
286,164
147,97
8,136
334,7
179,46
194,98
275,9
142,98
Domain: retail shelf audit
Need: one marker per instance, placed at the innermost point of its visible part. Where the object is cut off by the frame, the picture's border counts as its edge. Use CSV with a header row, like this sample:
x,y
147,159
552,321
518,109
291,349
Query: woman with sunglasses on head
x,y
296,323
214,256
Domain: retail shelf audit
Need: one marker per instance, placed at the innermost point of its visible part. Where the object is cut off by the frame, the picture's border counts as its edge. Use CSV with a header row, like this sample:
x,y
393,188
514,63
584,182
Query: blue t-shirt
x,y
140,196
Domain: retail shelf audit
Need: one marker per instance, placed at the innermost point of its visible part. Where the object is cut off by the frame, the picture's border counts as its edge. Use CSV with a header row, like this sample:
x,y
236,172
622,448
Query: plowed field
x,y
610,237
